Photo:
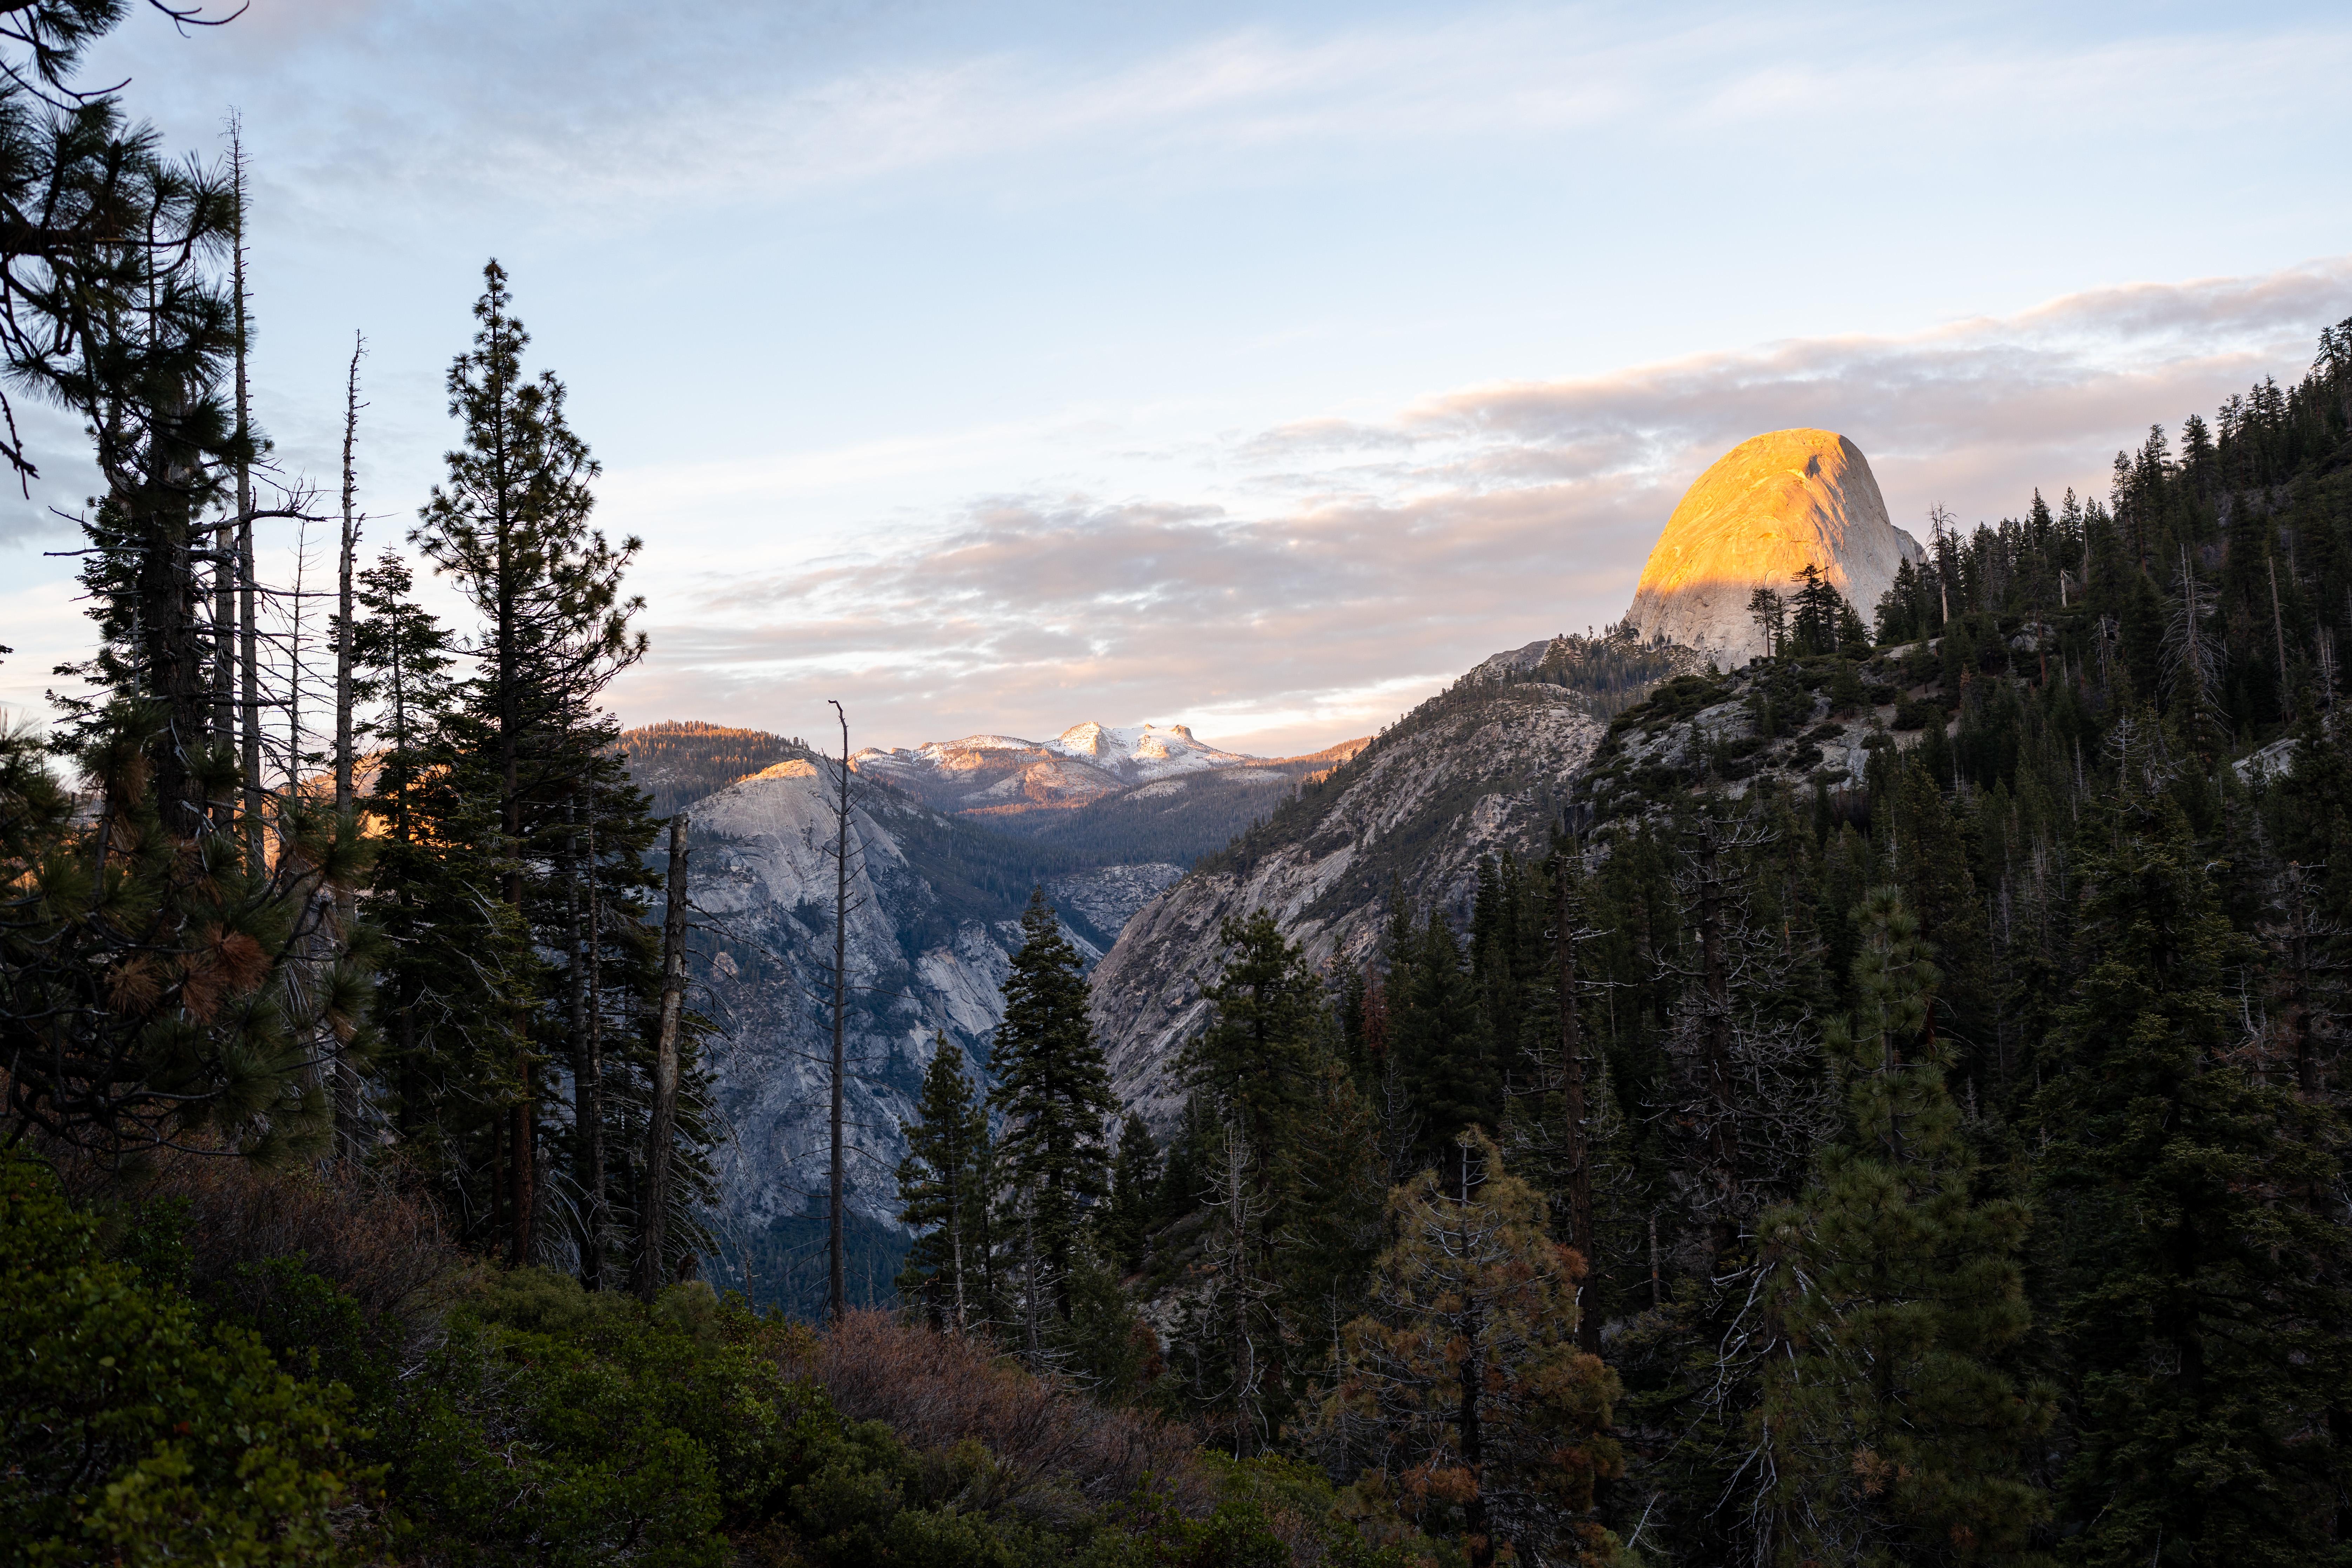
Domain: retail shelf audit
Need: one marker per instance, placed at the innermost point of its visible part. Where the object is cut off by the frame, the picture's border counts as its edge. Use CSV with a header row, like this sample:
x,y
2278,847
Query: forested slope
x,y
1933,1048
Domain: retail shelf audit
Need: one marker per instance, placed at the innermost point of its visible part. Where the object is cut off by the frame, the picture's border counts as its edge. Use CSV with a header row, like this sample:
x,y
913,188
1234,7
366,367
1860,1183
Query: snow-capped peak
x,y
1142,751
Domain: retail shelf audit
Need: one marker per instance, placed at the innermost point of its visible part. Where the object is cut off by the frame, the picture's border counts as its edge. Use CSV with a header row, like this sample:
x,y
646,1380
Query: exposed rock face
x,y
934,916
1479,771
1768,507
761,873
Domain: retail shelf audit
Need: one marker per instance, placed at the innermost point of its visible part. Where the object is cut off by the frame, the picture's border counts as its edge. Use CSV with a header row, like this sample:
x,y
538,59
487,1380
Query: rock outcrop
x,y
1767,508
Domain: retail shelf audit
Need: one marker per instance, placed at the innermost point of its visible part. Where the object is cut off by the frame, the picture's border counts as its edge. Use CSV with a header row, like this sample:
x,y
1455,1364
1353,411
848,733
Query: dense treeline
x,y
678,761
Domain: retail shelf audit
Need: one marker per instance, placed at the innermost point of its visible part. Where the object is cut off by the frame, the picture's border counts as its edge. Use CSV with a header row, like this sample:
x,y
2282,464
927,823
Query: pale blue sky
x,y
1260,367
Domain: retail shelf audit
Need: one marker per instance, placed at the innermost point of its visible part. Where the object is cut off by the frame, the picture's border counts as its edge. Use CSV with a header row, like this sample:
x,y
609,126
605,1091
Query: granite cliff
x,y
1763,511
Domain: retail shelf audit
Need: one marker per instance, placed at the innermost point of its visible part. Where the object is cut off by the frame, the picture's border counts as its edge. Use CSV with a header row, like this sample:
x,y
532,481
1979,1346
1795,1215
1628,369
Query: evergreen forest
x,y
1940,1161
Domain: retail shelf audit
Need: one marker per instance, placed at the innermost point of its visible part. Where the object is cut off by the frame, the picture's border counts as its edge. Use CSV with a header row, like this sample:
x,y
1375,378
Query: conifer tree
x,y
1054,1089
511,527
1814,621
1465,1397
456,955
1254,1055
938,1189
157,981
1438,1033
1126,1219
1893,1431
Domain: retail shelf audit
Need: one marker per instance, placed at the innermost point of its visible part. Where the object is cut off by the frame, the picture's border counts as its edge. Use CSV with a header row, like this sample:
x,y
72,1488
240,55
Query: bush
x,y
553,1424
937,1390
132,1432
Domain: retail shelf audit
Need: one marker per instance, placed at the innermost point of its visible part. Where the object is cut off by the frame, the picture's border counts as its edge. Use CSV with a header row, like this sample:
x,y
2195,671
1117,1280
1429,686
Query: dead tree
x,y
653,1220
347,1078
836,1297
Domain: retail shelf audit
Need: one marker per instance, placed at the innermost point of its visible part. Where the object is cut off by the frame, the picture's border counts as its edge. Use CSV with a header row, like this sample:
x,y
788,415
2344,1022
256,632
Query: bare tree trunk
x,y
1657,1288
522,1169
1029,1276
1723,1132
1466,1415
1579,1159
575,987
837,1299
1243,1351
955,1240
223,675
248,632
350,547
588,1113
347,1081
654,1221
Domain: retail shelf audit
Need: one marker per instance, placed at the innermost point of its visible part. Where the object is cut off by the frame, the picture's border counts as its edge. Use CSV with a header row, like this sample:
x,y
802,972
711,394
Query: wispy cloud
x,y
619,106
1347,567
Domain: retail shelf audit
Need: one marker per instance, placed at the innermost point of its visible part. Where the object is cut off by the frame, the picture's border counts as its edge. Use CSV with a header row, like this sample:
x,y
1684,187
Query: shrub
x,y
129,1430
554,1424
936,1390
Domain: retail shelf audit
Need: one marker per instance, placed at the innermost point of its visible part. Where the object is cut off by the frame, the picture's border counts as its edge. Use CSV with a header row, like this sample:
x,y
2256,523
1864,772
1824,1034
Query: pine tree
x,y
159,983
1894,1433
938,1189
456,957
1054,1089
1770,614
1465,1397
1254,1055
1124,1221
511,527
1438,1033
1813,623
1294,1161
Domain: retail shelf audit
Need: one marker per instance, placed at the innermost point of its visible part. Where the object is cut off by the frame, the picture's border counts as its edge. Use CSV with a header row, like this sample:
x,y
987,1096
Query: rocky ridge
x,y
1481,770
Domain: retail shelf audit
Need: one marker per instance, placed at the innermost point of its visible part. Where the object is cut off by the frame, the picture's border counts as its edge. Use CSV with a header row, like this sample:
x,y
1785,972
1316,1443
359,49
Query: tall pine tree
x,y
1054,1089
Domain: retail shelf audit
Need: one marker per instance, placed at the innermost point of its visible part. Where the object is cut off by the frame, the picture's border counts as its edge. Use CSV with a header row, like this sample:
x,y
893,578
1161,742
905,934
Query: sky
x,y
997,367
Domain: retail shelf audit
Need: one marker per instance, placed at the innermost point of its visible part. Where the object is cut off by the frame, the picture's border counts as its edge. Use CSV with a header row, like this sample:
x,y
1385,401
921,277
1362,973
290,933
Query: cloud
x,y
1347,567
623,109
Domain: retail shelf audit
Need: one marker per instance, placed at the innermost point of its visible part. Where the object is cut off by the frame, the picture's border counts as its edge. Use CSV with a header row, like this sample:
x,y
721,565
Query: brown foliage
x,y
382,1247
936,1390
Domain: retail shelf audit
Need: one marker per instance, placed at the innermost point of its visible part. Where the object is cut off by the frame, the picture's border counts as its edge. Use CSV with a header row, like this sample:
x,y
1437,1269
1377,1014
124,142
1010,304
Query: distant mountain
x,y
1107,794
1007,775
1179,818
1102,796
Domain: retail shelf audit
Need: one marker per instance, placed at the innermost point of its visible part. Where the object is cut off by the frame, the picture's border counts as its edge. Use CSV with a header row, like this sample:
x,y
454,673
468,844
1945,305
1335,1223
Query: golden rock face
x,y
1767,507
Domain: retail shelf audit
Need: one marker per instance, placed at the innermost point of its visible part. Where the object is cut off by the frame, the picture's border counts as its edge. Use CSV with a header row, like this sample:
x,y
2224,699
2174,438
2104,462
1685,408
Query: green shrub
x,y
556,1425
131,1431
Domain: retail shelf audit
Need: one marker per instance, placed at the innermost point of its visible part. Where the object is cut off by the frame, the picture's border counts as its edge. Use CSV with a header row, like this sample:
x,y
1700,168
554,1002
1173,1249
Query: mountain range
x,y
1147,839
